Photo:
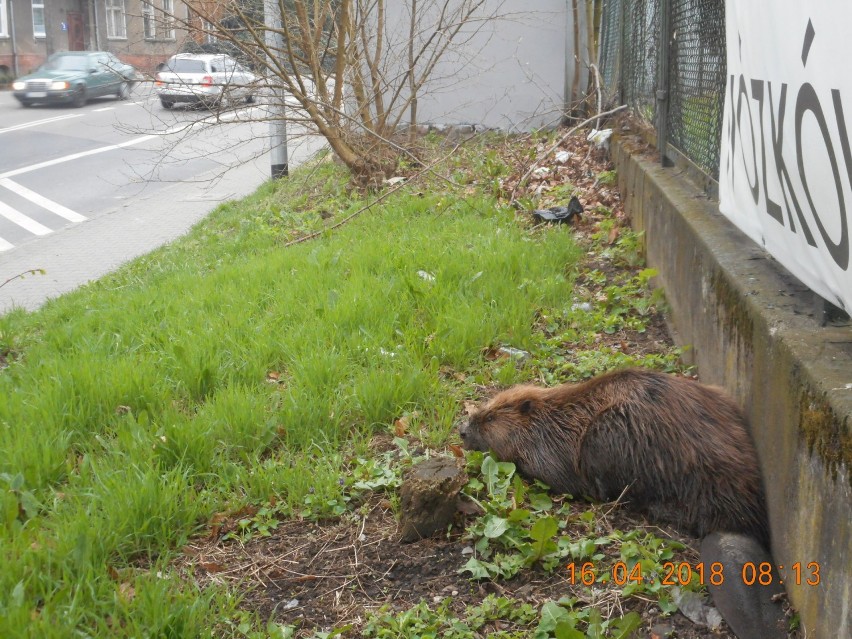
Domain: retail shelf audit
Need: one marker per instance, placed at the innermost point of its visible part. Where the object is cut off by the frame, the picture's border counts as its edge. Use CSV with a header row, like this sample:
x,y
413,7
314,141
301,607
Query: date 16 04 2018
x,y
683,573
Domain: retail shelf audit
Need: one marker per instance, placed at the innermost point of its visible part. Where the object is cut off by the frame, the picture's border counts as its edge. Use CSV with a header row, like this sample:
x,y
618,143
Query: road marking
x,y
209,121
102,109
75,156
23,221
4,245
57,118
50,205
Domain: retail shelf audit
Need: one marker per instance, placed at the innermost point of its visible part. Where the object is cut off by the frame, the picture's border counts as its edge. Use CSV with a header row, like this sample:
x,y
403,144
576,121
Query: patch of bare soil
x,y
324,575
333,574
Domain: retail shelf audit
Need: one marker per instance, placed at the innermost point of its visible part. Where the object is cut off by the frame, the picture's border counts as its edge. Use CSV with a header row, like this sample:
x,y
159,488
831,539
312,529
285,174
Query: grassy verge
x,y
224,370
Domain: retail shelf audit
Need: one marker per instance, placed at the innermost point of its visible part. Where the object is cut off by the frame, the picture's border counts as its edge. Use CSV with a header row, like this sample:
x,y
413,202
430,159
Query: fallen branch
x,y
32,271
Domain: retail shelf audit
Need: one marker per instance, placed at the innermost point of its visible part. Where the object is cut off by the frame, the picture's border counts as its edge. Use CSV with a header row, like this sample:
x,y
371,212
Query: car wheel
x,y
78,99
123,91
167,104
26,103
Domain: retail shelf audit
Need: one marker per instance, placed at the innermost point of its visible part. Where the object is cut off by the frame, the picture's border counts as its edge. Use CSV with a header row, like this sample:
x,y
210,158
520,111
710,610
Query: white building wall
x,y
511,72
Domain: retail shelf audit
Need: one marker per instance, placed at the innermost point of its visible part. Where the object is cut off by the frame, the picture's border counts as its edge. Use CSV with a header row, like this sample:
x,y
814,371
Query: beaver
x,y
679,451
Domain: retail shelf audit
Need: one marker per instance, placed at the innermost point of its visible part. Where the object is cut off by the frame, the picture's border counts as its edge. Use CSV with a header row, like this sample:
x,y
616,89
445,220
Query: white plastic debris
x,y
600,138
514,353
563,156
426,275
395,180
541,171
581,306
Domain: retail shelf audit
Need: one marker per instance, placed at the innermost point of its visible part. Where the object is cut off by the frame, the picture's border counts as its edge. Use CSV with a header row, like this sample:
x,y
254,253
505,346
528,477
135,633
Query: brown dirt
x,y
322,575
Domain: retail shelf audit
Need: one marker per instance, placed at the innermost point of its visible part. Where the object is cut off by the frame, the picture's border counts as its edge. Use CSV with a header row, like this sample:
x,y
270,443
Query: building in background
x,y
140,32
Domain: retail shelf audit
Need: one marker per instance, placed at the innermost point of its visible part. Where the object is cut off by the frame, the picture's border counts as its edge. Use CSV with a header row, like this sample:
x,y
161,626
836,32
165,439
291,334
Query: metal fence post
x,y
277,123
663,80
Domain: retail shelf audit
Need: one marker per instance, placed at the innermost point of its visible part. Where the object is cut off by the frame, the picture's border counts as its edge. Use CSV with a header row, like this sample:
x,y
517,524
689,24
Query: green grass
x,y
136,408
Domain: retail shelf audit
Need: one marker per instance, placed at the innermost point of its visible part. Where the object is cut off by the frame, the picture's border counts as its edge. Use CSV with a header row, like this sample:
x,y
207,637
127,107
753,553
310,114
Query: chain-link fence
x,y
692,91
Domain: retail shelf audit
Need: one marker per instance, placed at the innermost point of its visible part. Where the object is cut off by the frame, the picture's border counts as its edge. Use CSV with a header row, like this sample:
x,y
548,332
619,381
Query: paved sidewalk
x,y
84,252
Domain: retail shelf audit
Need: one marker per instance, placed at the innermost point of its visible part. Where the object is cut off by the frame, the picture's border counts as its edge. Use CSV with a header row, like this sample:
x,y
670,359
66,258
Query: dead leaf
x,y
456,451
613,234
216,524
469,407
126,591
273,377
211,566
400,426
122,410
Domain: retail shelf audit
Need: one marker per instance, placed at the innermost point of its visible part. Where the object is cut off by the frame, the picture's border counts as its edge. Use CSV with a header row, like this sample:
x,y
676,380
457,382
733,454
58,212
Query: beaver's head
x,y
499,425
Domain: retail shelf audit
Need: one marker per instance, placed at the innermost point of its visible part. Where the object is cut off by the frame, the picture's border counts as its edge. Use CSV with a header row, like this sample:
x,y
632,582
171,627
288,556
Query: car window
x,y
184,65
230,65
103,63
67,63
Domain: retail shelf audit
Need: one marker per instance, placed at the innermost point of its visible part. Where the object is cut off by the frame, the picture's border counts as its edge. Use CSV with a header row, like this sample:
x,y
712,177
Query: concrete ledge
x,y
752,330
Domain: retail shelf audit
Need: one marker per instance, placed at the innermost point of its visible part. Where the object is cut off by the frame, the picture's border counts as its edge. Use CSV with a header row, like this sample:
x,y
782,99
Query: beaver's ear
x,y
526,407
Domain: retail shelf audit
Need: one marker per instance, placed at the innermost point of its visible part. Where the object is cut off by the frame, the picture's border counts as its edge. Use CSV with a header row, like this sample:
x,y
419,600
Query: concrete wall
x,y
508,72
754,330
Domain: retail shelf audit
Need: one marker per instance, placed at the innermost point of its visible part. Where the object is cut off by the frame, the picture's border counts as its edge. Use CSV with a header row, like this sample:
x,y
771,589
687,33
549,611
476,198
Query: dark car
x,y
75,76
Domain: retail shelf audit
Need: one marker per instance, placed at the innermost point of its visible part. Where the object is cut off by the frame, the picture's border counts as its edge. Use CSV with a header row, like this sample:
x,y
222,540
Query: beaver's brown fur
x,y
682,450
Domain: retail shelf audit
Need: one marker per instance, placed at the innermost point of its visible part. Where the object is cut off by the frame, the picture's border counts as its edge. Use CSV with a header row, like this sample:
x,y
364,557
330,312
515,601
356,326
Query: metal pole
x,y
48,35
277,124
97,26
663,81
15,68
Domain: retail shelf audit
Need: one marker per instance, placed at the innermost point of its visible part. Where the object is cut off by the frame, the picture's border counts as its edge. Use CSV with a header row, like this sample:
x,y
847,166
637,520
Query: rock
x,y
428,497
752,612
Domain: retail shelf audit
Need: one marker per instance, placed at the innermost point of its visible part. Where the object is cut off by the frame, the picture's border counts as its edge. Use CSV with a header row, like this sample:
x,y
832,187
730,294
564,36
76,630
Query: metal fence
x,y
666,59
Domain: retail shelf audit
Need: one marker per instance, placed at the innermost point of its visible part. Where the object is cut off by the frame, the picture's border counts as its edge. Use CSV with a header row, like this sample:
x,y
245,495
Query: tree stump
x,y
429,496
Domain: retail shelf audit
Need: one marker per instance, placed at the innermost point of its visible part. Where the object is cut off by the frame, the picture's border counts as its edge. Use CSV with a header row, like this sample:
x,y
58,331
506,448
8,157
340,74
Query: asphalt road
x,y
84,190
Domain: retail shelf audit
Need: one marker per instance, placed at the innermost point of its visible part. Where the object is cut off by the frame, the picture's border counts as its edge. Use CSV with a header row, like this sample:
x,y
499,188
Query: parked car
x,y
75,76
207,79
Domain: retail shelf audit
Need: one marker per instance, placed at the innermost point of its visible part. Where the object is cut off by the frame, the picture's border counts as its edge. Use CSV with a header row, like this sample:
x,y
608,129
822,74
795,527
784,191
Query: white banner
x,y
785,175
